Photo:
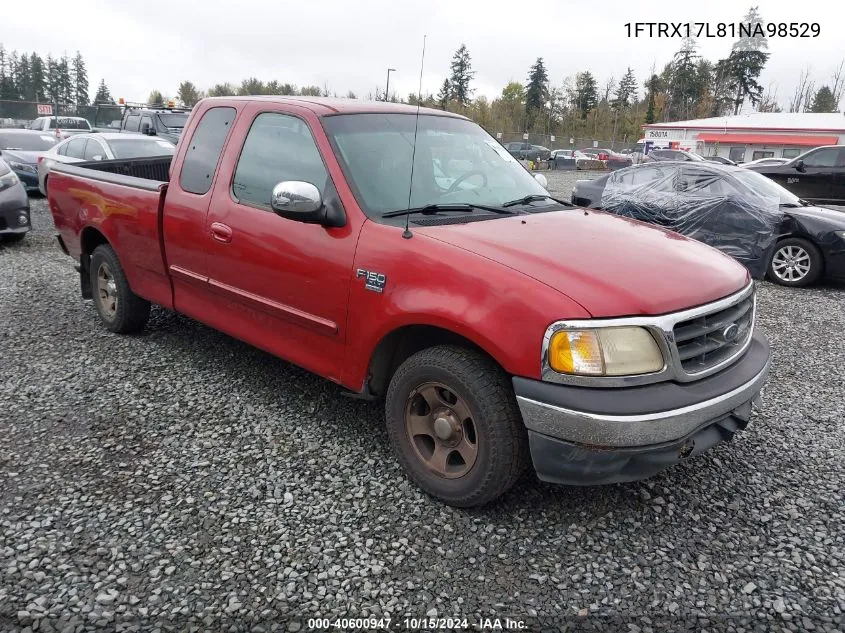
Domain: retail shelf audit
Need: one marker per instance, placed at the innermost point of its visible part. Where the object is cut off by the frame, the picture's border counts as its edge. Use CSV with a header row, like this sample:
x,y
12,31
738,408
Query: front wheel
x,y
454,423
120,309
796,262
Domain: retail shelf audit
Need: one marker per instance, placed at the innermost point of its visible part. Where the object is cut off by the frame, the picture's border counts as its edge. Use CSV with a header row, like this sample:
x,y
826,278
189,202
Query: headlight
x,y
22,167
8,180
840,234
612,351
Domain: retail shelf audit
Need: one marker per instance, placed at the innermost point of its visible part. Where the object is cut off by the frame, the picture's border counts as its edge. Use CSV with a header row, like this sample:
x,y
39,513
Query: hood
x,y
612,266
21,156
836,219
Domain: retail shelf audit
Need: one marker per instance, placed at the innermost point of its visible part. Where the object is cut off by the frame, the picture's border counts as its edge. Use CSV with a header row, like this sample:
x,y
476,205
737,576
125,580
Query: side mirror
x,y
147,129
301,201
542,180
800,166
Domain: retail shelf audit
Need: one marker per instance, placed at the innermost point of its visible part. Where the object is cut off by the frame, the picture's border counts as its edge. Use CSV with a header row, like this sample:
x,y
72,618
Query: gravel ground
x,y
180,477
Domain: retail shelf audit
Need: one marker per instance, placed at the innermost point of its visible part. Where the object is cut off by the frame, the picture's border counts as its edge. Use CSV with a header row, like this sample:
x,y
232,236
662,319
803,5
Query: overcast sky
x,y
348,45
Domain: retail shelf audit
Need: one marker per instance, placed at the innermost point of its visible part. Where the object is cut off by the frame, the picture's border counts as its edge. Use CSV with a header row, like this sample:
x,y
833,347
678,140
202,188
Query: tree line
x,y
29,77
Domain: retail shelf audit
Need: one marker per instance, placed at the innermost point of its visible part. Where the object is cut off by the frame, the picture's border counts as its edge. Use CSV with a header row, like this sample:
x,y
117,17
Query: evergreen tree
x,y
36,77
310,91
53,88
222,90
24,79
251,86
103,95
585,95
538,88
80,80
65,82
188,94
462,74
824,101
7,84
685,86
626,91
745,63
445,94
652,86
156,99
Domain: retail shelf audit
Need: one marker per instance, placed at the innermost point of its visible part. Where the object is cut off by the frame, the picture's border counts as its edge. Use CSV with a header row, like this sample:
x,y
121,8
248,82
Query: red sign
x,y
44,108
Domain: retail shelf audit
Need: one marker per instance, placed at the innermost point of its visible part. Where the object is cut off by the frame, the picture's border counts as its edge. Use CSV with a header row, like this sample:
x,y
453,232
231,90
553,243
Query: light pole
x,y
387,87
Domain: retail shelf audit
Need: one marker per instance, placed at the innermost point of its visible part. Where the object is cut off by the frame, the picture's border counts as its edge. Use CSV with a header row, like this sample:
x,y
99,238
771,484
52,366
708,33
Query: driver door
x,y
283,284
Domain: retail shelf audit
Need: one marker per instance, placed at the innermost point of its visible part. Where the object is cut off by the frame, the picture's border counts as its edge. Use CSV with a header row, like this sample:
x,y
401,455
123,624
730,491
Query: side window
x,y
204,150
76,148
133,122
62,149
737,154
278,147
822,158
94,151
694,182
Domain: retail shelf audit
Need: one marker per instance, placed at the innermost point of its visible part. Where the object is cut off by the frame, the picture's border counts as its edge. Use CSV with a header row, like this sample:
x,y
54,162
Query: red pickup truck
x,y
406,255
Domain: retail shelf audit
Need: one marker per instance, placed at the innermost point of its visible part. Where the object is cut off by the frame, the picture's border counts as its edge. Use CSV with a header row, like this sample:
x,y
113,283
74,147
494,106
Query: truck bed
x,y
156,168
107,201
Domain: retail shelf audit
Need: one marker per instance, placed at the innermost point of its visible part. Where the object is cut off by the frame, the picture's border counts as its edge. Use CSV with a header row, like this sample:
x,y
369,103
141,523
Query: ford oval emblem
x,y
730,333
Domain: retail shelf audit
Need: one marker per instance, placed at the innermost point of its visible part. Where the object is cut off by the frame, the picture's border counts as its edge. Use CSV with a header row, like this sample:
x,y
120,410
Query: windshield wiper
x,y
456,207
534,198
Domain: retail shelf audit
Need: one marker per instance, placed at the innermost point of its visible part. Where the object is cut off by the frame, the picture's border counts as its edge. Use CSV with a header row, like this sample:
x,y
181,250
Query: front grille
x,y
713,338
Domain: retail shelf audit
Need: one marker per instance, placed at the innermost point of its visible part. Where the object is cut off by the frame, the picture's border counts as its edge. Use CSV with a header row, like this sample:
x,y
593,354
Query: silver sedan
x,y
97,146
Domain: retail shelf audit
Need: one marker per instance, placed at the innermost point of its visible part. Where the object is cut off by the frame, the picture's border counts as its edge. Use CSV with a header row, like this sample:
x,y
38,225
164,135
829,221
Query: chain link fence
x,y
18,114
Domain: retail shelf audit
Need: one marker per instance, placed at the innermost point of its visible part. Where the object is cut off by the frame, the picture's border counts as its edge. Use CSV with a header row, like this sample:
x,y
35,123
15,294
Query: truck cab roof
x,y
328,106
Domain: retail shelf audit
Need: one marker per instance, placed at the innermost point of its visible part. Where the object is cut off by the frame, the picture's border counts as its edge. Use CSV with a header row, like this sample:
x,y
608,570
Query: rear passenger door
x,y
816,180
283,285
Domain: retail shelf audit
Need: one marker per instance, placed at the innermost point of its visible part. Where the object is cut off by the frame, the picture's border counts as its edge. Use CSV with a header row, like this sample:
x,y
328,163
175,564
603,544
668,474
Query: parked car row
x,y
771,230
28,155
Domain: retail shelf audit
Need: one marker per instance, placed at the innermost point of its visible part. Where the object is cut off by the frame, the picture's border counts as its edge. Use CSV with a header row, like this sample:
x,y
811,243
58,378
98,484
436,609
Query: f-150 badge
x,y
372,280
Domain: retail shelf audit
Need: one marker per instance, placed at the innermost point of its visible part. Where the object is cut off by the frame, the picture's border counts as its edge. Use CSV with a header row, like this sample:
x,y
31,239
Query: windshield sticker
x,y
501,151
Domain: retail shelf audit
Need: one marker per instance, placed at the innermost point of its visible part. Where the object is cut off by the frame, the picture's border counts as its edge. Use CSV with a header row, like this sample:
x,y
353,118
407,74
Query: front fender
x,y
430,282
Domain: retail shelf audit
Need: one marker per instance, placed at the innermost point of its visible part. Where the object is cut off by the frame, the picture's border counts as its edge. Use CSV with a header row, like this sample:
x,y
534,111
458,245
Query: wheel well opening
x,y
402,343
90,239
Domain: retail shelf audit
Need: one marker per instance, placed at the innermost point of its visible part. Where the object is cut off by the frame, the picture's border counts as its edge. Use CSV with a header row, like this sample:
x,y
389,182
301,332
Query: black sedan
x,y
14,206
817,175
770,230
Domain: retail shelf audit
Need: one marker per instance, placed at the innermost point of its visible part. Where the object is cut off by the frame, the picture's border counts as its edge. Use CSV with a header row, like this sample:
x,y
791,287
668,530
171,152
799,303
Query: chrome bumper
x,y
606,423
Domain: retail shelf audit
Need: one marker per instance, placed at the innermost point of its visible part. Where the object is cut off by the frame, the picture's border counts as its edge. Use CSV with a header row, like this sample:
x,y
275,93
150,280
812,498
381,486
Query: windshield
x,y
765,187
27,142
173,120
70,124
456,161
140,147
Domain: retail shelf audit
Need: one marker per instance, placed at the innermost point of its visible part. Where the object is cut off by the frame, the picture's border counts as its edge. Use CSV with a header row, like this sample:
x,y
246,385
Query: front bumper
x,y
587,436
14,204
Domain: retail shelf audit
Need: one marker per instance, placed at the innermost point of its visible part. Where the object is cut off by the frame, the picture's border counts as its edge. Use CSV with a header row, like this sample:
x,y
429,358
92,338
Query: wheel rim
x,y
441,429
106,291
791,263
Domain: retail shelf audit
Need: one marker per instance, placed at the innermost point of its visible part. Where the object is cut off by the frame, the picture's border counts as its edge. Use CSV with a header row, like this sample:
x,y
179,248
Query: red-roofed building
x,y
747,137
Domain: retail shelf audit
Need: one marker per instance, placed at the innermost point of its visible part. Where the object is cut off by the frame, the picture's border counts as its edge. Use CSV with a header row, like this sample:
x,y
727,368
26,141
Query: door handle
x,y
221,232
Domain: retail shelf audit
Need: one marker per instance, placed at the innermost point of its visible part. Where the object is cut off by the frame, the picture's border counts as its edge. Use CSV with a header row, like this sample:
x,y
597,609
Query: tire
x,y
120,309
494,428
788,264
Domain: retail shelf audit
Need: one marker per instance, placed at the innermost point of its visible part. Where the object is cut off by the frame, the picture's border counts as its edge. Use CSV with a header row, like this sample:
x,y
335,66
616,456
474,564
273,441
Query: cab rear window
x,y
205,148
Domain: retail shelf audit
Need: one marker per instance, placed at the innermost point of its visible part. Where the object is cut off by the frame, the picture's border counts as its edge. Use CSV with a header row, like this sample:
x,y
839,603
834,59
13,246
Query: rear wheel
x,y
454,423
120,309
796,262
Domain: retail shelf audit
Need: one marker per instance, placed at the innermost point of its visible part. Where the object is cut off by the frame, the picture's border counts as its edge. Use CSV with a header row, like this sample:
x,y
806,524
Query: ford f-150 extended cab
x,y
406,255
